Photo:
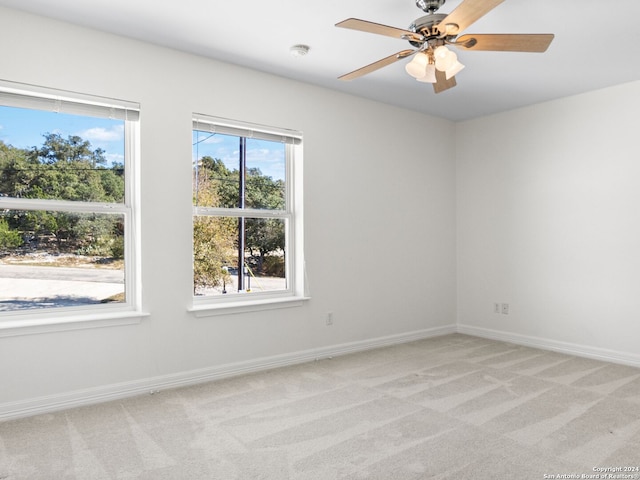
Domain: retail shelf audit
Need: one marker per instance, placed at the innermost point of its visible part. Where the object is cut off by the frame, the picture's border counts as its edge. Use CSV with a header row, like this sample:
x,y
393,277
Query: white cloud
x,y
100,134
114,158
213,139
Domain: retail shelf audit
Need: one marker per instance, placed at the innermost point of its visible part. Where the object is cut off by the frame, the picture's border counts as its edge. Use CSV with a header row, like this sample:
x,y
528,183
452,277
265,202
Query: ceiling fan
x,y
433,62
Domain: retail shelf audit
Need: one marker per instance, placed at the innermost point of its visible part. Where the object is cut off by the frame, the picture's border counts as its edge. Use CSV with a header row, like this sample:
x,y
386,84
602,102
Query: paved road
x,y
260,284
27,287
99,275
24,287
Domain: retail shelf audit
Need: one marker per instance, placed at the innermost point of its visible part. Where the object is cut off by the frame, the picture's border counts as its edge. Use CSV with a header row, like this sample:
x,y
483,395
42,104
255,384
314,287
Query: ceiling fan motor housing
x,y
429,6
426,26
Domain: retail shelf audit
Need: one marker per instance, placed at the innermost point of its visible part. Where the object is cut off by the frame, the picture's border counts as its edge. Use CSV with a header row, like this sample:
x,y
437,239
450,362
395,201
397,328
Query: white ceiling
x,y
594,45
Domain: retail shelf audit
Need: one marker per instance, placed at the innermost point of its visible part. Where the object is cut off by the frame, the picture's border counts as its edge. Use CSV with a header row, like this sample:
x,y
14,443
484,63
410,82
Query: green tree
x,y
263,192
63,169
262,236
213,237
222,181
18,171
9,239
68,169
57,150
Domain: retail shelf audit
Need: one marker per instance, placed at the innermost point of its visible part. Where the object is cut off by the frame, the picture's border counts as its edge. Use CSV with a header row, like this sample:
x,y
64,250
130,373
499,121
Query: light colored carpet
x,y
452,407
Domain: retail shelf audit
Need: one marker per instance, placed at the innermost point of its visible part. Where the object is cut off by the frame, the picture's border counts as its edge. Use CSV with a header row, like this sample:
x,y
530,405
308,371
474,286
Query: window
x,y
247,222
67,203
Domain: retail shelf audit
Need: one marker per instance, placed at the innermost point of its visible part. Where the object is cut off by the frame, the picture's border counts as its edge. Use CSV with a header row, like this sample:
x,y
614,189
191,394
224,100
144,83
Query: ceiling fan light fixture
x,y
440,52
430,35
444,58
453,70
418,66
430,74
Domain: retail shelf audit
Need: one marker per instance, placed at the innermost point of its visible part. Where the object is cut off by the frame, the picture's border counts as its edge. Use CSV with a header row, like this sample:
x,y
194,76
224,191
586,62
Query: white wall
x,y
549,221
379,225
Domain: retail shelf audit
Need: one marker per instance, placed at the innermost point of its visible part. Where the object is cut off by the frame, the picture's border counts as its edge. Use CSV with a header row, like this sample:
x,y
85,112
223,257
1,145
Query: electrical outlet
x,y
329,318
505,309
496,308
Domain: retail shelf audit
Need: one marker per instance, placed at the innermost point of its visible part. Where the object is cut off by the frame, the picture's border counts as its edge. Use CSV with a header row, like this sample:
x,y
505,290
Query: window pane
x,y
59,156
265,175
218,162
214,248
217,259
60,259
216,178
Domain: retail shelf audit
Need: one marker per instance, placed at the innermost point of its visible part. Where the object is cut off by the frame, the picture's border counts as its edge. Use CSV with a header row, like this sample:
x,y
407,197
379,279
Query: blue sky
x,y
24,128
265,155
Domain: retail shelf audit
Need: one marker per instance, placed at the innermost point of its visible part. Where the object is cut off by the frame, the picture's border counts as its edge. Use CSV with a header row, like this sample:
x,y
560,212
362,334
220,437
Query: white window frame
x,y
43,320
296,291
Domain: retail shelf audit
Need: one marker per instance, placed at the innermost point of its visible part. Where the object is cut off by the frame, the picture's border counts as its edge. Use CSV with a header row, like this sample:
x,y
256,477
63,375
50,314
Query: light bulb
x,y
453,70
417,67
430,75
440,52
445,58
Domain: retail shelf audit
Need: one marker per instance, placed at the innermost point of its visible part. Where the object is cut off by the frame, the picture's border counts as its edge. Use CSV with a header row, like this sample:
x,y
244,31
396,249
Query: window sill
x,y
37,324
245,306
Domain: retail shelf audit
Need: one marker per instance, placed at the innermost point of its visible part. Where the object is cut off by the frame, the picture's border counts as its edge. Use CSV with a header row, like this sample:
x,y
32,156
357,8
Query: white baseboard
x,y
603,354
152,385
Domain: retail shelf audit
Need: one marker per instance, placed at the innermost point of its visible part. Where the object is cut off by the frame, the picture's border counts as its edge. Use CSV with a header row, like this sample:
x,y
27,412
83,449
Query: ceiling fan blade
x,y
371,27
377,65
442,83
465,14
506,42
